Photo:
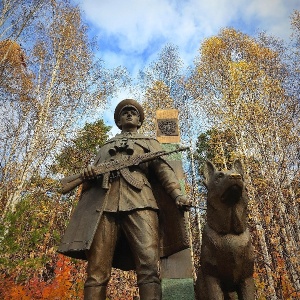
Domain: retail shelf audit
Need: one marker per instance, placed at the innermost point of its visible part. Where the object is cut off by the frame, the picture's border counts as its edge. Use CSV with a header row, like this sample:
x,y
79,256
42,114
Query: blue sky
x,y
131,33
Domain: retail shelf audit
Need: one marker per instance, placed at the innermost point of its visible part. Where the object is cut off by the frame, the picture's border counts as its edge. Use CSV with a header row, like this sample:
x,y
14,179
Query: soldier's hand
x,y
183,203
88,173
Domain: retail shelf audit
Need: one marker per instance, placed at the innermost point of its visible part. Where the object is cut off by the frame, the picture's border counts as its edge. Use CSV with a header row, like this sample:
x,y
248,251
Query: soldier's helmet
x,y
125,104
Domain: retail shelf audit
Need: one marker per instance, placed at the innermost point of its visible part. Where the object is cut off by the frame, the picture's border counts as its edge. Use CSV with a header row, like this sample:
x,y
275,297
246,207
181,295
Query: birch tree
x,y
16,16
65,84
160,81
240,83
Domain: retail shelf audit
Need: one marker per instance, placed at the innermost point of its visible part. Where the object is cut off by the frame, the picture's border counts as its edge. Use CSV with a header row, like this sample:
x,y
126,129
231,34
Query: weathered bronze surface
x,y
167,127
227,259
70,182
124,217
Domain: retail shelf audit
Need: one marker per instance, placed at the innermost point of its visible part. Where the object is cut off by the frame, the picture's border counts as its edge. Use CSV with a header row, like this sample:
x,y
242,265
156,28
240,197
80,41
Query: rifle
x,y
70,182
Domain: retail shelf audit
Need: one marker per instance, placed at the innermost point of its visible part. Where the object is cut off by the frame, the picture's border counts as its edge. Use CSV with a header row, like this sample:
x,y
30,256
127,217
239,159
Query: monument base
x,y
178,289
178,265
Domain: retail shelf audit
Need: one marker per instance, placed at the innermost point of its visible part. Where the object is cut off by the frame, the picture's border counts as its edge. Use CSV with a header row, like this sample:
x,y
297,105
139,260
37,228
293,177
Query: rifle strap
x,y
131,179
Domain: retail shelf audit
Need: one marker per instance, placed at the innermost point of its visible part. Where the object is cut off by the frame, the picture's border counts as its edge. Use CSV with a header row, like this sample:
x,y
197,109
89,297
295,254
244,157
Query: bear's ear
x,y
237,165
208,170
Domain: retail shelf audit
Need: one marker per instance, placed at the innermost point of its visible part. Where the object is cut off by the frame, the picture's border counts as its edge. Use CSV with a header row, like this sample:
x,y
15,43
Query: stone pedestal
x,y
178,265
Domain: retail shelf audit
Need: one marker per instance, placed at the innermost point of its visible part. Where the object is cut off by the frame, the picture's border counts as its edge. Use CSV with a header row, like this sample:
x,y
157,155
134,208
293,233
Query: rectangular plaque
x,y
167,129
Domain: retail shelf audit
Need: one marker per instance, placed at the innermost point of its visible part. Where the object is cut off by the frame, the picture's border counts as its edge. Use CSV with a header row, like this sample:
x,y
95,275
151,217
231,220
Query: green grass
x,y
178,289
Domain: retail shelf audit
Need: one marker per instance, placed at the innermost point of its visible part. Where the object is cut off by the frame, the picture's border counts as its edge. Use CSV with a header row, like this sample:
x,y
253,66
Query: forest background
x,y
239,99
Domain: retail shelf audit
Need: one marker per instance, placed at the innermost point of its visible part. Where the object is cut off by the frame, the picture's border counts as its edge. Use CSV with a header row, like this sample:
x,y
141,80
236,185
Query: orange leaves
x,y
65,284
259,284
14,78
12,53
40,50
213,47
62,286
122,285
31,269
288,290
17,292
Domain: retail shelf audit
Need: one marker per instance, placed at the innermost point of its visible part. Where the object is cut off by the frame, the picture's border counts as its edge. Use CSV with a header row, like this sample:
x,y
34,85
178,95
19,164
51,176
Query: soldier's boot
x,y
95,292
150,291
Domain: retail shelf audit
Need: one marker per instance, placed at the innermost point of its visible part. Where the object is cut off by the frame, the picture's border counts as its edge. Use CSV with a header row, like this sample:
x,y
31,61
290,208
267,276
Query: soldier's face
x,y
129,118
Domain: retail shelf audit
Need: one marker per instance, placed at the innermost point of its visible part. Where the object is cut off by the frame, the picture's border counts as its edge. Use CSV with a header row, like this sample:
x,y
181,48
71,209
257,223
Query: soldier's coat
x,y
94,199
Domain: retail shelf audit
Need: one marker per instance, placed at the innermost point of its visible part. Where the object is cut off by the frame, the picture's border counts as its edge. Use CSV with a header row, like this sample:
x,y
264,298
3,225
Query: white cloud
x,y
133,22
273,16
137,26
131,33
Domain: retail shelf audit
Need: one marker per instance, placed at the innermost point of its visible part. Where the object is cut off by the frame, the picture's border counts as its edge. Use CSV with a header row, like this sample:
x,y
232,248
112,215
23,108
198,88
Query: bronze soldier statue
x,y
127,218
